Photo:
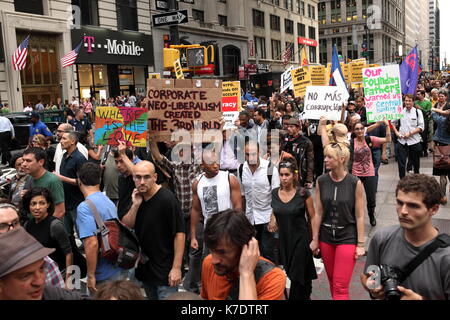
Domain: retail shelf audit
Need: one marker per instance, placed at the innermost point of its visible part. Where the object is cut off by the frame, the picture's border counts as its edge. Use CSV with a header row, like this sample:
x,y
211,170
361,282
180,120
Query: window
x,y
312,55
274,22
301,29
127,15
276,2
258,18
29,6
288,4
311,12
89,11
351,10
312,32
198,15
289,26
260,47
223,1
301,7
223,21
323,55
276,49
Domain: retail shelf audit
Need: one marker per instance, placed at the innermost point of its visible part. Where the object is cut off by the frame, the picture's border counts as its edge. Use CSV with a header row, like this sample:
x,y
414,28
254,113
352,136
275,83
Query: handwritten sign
x,y
286,80
382,93
300,79
114,124
317,75
324,101
182,104
231,102
355,69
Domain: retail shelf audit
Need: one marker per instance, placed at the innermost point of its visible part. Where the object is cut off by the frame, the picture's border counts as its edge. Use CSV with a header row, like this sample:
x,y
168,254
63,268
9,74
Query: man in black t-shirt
x,y
126,182
156,216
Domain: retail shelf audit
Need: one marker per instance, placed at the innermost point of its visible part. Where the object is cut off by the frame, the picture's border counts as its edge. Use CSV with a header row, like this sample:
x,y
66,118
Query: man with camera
x,y
410,261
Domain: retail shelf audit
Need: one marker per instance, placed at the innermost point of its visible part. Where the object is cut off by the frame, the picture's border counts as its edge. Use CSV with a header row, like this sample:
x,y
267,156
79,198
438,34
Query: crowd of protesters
x,y
281,190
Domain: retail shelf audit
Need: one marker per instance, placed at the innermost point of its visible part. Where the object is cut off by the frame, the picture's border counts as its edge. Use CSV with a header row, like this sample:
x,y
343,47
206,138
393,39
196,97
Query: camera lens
x,y
390,290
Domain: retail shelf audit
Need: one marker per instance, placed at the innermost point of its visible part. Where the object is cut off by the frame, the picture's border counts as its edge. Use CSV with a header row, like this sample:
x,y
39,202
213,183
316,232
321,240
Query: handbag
x,y
441,157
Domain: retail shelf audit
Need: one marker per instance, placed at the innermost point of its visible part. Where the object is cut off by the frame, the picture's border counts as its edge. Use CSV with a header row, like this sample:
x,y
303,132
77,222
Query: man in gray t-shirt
x,y
418,200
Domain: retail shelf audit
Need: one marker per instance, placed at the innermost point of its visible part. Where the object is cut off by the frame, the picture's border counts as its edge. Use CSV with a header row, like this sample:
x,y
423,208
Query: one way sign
x,y
169,18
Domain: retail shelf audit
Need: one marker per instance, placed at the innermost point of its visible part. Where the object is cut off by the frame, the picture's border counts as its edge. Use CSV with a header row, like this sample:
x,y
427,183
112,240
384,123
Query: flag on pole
x,y
336,77
409,72
287,54
19,57
303,57
70,58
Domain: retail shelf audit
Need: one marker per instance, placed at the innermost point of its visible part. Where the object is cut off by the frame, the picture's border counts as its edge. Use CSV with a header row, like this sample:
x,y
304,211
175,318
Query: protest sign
x,y
323,101
182,104
317,75
114,124
286,80
382,93
300,79
355,70
231,102
178,70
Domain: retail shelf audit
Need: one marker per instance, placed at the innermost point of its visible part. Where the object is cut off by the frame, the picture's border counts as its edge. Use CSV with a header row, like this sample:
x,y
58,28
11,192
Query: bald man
x,y
158,221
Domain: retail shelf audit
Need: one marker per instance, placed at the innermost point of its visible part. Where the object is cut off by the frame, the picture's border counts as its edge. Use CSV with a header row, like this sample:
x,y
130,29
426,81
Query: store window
x,y
85,80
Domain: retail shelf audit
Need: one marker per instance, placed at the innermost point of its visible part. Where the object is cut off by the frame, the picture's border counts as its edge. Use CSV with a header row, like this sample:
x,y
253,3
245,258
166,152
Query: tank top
x,y
338,203
214,194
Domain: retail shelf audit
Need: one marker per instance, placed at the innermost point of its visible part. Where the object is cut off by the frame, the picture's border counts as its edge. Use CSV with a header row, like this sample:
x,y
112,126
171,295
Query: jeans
x,y
265,241
370,186
69,220
412,153
376,163
339,261
154,292
193,276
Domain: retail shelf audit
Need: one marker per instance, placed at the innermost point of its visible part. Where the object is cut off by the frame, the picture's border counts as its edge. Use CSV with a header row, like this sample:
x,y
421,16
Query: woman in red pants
x,y
340,220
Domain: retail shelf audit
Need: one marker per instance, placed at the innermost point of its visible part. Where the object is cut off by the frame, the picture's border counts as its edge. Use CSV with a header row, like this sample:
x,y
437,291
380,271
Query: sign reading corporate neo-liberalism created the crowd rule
x,y
179,104
382,93
323,101
114,124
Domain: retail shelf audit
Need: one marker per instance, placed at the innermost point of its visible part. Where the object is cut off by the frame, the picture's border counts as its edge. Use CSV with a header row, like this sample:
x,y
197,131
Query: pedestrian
x,y
125,180
82,125
340,220
408,134
422,103
63,128
157,219
40,141
235,270
290,204
118,290
6,135
257,178
38,127
99,270
394,248
362,163
47,229
18,181
22,277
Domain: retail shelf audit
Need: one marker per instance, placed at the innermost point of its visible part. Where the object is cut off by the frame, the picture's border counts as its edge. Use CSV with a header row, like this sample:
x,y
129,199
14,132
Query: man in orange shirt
x,y
235,269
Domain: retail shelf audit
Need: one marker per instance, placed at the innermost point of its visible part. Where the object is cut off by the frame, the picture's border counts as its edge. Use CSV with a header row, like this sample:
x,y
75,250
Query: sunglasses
x,y
336,145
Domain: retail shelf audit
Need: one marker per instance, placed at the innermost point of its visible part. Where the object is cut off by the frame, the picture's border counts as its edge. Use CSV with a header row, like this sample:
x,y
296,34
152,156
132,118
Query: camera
x,y
389,280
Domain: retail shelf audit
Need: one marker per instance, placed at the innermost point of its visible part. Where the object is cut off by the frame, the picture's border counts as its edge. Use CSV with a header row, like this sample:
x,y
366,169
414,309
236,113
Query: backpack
x,y
118,244
269,172
352,152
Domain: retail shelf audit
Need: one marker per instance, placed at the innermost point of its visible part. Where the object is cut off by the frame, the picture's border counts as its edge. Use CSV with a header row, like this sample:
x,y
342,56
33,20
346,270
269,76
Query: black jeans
x,y
370,186
266,241
5,143
412,153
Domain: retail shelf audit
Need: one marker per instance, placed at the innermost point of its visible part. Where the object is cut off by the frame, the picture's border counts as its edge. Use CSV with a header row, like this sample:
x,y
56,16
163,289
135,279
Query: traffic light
x,y
364,52
166,39
170,56
197,57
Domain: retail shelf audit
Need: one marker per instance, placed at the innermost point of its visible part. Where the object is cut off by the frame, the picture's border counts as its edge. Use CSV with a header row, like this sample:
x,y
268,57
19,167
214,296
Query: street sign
x,y
170,18
162,5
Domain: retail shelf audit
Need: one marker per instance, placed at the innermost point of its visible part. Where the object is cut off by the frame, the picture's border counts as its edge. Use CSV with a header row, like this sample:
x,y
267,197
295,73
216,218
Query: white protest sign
x,y
286,80
323,101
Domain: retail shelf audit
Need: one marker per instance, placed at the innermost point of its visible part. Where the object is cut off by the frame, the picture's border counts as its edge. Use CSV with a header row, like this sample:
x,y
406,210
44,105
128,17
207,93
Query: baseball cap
x,y
294,122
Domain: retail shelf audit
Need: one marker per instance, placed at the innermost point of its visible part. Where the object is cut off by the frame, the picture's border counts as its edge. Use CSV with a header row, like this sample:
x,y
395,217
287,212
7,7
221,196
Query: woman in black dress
x,y
289,206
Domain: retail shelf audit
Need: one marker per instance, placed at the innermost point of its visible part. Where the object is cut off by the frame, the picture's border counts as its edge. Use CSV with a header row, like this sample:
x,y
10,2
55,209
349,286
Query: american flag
x,y
287,54
70,58
19,57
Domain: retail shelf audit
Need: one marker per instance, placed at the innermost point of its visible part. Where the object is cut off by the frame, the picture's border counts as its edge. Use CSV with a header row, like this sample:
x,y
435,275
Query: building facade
x,y
417,30
434,34
377,25
115,56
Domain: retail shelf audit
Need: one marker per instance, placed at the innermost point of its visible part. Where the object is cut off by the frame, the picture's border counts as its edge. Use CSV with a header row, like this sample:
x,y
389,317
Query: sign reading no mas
x,y
324,101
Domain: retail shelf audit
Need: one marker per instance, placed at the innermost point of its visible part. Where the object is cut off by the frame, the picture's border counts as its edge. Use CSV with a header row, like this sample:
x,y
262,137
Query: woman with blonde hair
x,y
40,141
339,219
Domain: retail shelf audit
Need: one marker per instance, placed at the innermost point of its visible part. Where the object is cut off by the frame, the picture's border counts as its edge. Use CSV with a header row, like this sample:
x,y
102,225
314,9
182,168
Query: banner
x,y
114,124
323,101
286,80
355,69
182,104
231,102
300,79
318,75
383,93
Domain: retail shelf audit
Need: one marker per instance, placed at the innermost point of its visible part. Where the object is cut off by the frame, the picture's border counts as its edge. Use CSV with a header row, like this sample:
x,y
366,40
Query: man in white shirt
x,y
258,178
228,160
65,127
408,145
6,135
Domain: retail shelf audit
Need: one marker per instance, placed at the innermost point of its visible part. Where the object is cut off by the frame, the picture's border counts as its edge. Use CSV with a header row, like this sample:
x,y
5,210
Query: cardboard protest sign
x,y
323,101
355,69
317,75
383,93
182,104
231,102
286,80
114,124
300,79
